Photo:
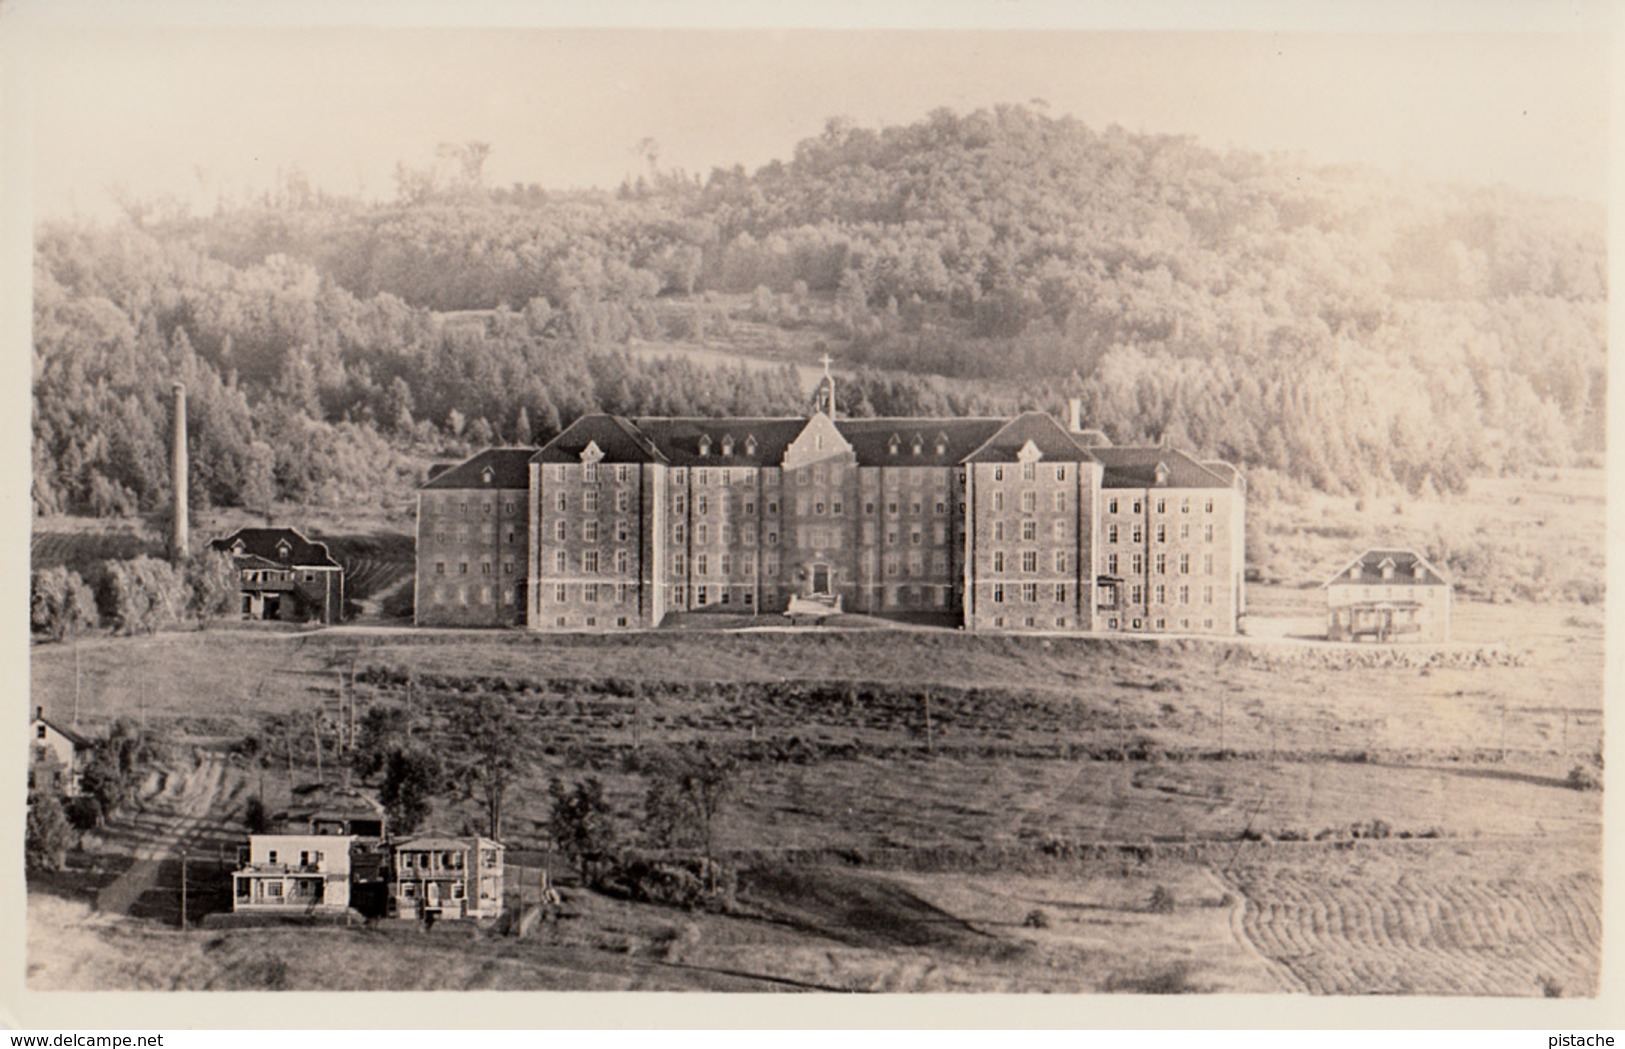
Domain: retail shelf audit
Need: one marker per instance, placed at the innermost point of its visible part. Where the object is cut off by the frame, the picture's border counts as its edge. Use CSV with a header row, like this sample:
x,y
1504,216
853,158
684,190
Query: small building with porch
x,y
1388,595
446,877
293,874
281,575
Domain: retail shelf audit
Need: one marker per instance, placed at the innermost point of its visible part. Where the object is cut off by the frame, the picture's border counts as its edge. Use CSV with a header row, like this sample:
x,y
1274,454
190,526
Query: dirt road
x,y
172,820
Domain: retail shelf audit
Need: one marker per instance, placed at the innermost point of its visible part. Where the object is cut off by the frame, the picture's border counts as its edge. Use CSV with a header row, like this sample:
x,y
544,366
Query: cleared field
x,y
1450,921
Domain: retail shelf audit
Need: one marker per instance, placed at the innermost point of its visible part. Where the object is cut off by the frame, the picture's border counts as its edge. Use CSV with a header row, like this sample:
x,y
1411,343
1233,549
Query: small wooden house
x,y
282,575
56,755
446,877
1388,596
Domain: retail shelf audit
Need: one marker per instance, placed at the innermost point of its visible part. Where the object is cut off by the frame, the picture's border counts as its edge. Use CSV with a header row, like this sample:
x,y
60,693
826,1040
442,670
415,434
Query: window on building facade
x,y
1111,564
998,560
702,534
589,561
1060,560
1136,563
561,593
1162,533
1161,594
1184,564
561,502
727,564
1029,560
1136,534
1029,531
462,568
678,564
561,472
1184,594
702,476
998,473
1138,506
1207,595
561,561
622,559
1060,593
916,535
1162,506
440,568
485,568
1207,533
998,502
589,594
1207,507
1136,595
589,531
998,593
702,564
678,475
1162,564
1207,564
1029,592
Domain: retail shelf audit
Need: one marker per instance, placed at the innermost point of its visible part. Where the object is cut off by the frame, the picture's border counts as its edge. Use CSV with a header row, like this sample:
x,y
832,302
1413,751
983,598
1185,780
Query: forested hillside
x,y
1337,328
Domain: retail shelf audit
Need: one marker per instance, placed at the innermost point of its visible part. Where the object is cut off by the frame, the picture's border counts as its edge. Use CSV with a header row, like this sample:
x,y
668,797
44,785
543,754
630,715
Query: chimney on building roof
x,y
1074,408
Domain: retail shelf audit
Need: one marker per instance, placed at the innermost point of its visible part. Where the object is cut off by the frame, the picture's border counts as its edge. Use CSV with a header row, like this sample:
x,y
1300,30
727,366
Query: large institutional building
x,y
996,524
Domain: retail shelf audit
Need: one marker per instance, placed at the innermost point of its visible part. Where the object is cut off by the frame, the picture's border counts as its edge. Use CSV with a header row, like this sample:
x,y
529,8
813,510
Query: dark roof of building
x,y
1405,563
71,735
891,441
1045,434
738,442
508,468
1136,467
616,438
264,543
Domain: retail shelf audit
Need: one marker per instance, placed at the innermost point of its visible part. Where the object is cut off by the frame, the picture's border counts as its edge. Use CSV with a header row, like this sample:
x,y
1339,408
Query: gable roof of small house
x,y
268,544
1367,569
505,468
71,735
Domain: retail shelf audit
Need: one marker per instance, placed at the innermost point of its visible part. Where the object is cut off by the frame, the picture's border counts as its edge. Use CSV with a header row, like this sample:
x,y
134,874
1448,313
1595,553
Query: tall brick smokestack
x,y
178,467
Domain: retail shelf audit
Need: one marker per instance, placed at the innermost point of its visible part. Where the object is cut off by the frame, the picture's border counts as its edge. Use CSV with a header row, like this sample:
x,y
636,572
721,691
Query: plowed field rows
x,y
1427,931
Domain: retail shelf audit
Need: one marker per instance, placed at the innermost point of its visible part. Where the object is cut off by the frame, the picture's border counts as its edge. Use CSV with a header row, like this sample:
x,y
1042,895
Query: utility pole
x,y
183,890
316,738
75,680
930,739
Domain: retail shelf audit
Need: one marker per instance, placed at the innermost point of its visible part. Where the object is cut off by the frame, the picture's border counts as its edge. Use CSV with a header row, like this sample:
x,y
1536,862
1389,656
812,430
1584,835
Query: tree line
x,y
1344,328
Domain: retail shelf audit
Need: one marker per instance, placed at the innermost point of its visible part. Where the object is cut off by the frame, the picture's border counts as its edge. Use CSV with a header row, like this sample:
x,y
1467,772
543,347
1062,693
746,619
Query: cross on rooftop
x,y
826,360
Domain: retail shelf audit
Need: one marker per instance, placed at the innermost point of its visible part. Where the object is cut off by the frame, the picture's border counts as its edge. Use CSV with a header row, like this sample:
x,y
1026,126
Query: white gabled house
x,y
1388,595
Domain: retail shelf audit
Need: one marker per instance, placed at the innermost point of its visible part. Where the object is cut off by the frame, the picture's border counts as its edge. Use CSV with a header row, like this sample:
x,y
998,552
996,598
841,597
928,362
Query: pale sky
x,y
192,111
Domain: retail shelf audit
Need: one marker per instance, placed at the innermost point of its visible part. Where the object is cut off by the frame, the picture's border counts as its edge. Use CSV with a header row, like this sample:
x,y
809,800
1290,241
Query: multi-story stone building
x,y
473,531
1001,524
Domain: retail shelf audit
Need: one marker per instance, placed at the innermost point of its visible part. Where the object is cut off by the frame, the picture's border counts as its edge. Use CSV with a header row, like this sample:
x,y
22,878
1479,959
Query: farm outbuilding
x,y
1388,596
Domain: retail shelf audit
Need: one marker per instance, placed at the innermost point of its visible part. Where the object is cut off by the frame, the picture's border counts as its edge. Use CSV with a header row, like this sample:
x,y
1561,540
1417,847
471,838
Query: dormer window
x,y
942,444
1162,473
283,549
1354,570
1416,570
917,445
892,445
1387,568
727,446
750,445
705,445
486,475
238,548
